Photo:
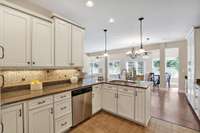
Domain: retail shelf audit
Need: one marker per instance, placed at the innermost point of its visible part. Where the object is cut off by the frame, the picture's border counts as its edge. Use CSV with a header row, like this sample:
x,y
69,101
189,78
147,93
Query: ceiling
x,y
165,20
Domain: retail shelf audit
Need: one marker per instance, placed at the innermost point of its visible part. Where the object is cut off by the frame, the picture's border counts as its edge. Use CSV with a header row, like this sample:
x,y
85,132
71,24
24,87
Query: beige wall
x,y
181,45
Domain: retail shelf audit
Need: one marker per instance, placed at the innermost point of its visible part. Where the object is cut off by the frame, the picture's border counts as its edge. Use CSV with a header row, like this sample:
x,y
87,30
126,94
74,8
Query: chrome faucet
x,y
124,74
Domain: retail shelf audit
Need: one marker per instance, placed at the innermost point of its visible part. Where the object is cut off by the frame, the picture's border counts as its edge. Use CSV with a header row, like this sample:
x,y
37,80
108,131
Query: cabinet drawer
x,y
62,108
110,87
126,89
62,96
63,123
40,102
96,87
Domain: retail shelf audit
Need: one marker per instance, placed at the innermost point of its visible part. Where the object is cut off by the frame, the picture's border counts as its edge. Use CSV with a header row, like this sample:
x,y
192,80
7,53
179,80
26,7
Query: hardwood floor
x,y
107,123
173,107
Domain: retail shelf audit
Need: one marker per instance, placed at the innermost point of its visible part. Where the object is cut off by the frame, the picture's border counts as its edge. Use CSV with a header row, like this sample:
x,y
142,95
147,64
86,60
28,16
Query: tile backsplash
x,y
23,77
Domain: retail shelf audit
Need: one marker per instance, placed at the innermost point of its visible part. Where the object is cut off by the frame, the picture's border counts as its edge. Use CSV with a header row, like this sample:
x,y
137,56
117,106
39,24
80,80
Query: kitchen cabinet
x,y
12,119
62,112
77,46
142,106
96,98
41,115
125,104
62,43
42,43
109,98
15,38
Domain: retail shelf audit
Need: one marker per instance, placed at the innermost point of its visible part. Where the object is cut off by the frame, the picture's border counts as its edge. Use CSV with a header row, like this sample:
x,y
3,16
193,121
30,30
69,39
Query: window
x,y
114,67
94,68
137,66
156,66
172,66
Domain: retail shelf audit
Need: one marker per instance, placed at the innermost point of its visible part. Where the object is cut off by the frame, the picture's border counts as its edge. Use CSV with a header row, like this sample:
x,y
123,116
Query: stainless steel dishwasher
x,y
81,105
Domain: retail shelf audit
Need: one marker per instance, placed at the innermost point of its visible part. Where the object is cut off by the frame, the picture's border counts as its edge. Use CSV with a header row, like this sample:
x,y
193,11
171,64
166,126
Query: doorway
x,y
172,68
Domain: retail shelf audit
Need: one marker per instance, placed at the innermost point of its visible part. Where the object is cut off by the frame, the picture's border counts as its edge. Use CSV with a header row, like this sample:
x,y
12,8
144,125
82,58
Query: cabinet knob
x,y
28,62
33,62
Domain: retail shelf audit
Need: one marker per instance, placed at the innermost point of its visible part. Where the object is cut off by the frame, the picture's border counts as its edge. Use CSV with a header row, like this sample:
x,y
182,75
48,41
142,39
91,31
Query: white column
x,y
162,66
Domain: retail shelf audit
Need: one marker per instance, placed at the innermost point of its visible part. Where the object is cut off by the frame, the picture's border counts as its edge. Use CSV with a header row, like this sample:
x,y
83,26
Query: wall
x,y
23,77
119,54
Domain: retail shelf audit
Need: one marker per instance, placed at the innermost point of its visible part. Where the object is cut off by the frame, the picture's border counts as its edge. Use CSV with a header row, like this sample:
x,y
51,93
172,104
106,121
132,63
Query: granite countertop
x,y
22,95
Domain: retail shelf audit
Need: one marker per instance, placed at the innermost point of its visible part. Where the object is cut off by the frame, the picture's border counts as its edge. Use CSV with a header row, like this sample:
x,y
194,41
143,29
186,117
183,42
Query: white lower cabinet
x,y
96,98
109,98
41,116
139,106
62,112
126,100
12,119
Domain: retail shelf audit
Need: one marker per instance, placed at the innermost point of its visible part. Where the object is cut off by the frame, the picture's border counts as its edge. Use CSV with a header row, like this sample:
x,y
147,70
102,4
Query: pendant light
x,y
141,52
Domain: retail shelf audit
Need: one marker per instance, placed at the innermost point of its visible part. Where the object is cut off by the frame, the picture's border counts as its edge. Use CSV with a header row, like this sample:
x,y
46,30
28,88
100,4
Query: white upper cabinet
x,y
42,43
14,38
62,43
77,46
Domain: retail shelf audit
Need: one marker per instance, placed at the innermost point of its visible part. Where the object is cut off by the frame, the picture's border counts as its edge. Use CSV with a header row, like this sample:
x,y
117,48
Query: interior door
x,y
14,38
42,43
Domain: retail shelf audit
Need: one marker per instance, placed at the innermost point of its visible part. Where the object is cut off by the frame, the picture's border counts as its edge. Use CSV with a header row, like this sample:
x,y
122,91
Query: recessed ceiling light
x,y
89,3
111,20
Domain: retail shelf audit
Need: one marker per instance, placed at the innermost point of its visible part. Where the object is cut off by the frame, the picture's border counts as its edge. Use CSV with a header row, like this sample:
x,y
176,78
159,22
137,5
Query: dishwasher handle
x,y
81,91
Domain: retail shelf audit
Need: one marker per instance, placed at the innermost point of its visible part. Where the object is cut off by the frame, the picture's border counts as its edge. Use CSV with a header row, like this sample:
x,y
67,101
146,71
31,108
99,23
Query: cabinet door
x,y
14,37
96,99
12,119
41,120
42,43
126,105
140,106
77,46
109,100
62,43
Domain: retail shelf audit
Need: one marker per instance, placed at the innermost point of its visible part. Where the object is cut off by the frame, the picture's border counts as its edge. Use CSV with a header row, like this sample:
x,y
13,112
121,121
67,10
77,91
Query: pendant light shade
x,y
141,52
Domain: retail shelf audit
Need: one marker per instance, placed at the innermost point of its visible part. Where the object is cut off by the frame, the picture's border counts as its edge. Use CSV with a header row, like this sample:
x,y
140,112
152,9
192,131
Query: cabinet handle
x,y
136,93
42,102
51,110
33,63
63,108
28,62
3,52
3,81
62,96
63,124
20,113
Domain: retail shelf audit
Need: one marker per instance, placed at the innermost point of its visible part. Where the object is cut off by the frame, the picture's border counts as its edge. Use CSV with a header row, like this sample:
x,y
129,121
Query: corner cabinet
x,y
12,119
42,43
15,39
109,98
96,98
